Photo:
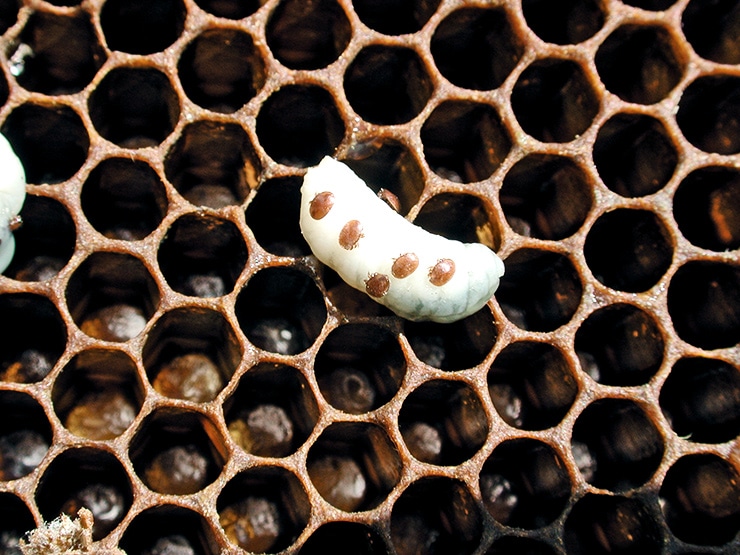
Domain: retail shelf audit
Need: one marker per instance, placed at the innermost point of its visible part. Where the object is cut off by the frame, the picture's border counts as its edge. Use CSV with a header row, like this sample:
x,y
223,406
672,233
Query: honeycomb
x,y
174,359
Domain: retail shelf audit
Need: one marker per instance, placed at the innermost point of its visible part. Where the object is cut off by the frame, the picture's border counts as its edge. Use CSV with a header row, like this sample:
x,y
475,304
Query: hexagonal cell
x,y
230,9
51,142
620,345
281,310
111,296
272,412
190,354
25,436
701,400
628,250
354,465
456,346
515,545
485,39
609,525
359,367
564,21
701,499
640,63
134,107
142,27
177,452
8,14
624,445
395,18
709,113
436,515
540,291
124,199
337,538
85,477
712,29
443,423
705,207
202,256
169,530
704,304
546,196
634,155
299,124
15,521
61,54
98,394
387,85
308,35
263,509
464,141
460,217
273,217
221,70
45,241
554,101
35,337
532,385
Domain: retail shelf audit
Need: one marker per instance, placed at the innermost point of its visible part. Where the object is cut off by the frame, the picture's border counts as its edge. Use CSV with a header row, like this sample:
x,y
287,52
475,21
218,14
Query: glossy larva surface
x,y
12,195
418,275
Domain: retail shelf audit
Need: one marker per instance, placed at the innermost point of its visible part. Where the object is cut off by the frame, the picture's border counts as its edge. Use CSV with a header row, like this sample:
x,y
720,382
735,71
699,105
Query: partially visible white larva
x,y
12,195
418,275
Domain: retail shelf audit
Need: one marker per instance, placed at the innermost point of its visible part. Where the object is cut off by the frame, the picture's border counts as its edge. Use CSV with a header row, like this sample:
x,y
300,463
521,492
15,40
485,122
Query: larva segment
x,y
418,275
12,196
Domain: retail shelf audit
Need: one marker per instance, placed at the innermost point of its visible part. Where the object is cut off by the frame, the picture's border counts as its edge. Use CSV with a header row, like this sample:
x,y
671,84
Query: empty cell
x,y
387,85
704,304
281,310
510,545
634,155
61,54
532,386
485,39
263,509
272,412
620,345
169,530
51,141
359,367
462,217
230,9
299,124
540,291
134,107
221,70
713,29
700,498
654,5
709,113
394,17
640,64
613,525
629,250
701,400
8,14
436,515
35,337
337,538
706,208
554,101
564,21
16,521
141,27
546,196
25,436
98,394
124,199
202,256
464,141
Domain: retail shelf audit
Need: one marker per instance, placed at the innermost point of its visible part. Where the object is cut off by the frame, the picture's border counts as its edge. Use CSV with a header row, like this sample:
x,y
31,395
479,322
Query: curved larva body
x,y
418,275
12,195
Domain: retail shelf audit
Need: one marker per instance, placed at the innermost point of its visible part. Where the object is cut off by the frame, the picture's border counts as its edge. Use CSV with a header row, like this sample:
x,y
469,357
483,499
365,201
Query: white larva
x,y
418,275
12,195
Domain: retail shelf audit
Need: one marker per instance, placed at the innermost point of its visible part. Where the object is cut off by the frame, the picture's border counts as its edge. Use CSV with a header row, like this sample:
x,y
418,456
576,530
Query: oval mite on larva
x,y
418,275
12,196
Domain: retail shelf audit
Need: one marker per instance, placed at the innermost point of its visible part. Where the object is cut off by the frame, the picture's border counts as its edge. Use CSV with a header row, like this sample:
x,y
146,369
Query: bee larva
x,y
418,275
12,195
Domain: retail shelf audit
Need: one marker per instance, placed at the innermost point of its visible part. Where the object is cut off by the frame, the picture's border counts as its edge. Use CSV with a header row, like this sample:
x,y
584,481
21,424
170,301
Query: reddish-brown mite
x,y
405,265
442,272
350,234
320,205
377,285
390,199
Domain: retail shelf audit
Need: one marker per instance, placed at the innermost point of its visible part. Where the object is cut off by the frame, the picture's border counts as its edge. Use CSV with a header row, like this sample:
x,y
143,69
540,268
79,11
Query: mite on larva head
x,y
12,195
418,275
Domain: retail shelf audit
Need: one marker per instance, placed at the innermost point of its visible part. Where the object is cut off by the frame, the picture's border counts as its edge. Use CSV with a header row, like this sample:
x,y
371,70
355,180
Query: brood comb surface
x,y
175,360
